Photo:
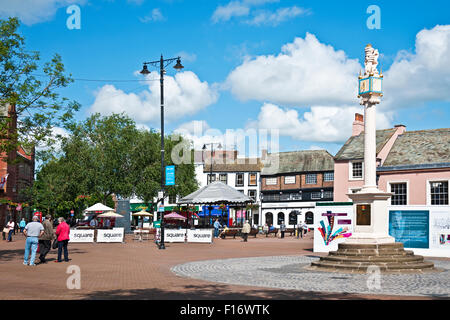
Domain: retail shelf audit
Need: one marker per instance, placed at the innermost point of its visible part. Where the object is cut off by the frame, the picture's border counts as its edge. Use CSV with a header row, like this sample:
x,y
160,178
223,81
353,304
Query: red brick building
x,y
17,169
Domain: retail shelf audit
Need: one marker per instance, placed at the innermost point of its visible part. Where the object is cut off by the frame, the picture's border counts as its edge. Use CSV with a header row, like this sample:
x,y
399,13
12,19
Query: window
x,y
328,194
252,179
439,192
239,179
357,170
172,199
289,180
296,196
223,178
309,218
316,195
252,194
293,217
211,178
328,176
280,218
311,178
399,197
271,197
271,181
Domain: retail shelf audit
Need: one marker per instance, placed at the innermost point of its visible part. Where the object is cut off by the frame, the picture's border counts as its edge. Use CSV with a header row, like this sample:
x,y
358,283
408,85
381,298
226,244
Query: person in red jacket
x,y
62,232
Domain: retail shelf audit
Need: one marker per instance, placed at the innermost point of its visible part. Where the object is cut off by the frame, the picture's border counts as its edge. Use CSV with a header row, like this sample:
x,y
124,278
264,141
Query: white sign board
x,y
174,235
81,235
332,225
200,235
110,235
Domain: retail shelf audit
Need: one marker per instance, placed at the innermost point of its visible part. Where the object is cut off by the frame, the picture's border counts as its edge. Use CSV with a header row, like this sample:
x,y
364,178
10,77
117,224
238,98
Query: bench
x,y
274,231
229,233
291,231
253,232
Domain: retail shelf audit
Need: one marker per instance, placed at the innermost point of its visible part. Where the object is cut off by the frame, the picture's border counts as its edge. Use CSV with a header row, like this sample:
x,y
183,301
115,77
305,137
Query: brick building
x,y
17,170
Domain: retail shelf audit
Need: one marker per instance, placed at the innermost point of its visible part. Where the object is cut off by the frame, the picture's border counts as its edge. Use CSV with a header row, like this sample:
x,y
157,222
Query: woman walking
x,y
62,232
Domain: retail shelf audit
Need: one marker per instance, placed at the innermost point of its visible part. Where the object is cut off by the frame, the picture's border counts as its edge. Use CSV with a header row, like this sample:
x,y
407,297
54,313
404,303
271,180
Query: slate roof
x,y
298,161
354,146
421,147
238,165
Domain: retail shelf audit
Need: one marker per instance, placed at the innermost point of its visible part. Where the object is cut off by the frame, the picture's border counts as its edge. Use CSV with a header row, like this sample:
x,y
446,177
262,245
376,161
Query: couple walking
x,y
42,234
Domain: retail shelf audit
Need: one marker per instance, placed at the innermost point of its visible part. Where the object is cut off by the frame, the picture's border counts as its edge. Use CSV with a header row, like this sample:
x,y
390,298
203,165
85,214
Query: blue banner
x,y
170,175
411,227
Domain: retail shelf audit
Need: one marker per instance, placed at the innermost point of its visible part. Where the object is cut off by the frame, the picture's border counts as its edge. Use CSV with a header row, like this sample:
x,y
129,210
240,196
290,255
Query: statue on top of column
x,y
371,61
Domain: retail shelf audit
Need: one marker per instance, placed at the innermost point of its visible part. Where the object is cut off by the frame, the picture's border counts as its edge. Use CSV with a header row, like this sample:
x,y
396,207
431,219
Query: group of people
x,y
11,228
43,234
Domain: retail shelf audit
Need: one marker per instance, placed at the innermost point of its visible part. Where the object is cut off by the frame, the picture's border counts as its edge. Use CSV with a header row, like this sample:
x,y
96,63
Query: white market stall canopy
x,y
216,192
98,207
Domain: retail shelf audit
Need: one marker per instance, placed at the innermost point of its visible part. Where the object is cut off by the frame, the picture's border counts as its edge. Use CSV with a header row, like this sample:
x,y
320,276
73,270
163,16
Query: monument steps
x,y
358,258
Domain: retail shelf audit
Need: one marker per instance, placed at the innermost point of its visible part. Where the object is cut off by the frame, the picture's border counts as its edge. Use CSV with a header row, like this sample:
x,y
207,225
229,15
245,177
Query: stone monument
x,y
370,243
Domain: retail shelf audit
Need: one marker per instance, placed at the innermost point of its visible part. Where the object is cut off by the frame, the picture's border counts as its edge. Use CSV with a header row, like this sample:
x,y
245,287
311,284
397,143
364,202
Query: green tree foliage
x,y
32,88
106,156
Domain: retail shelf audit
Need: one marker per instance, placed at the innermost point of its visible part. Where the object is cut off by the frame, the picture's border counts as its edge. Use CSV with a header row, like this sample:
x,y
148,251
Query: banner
x,y
200,235
3,181
108,235
174,235
81,235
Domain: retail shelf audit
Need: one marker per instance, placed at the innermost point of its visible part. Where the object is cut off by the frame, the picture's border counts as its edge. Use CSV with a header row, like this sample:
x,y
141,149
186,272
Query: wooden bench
x,y
229,233
291,231
253,232
274,231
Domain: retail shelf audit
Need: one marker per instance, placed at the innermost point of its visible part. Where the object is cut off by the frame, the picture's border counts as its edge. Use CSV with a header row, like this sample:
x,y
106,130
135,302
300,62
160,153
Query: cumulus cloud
x,y
320,124
34,11
266,17
306,72
154,16
416,78
184,95
232,9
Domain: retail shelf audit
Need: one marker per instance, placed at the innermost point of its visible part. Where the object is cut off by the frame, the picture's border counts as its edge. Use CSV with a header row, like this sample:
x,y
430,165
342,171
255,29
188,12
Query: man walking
x,y
282,229
216,228
32,231
45,241
246,230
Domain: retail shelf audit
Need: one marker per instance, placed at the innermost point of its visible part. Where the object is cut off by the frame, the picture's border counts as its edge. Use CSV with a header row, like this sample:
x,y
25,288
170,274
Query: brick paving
x,y
139,270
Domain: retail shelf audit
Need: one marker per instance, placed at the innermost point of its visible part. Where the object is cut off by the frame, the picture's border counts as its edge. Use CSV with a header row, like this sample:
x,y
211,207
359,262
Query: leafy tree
x,y
32,89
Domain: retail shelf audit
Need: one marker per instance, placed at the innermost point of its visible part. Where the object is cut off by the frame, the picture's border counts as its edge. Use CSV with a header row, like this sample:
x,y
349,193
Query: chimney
x,y
358,124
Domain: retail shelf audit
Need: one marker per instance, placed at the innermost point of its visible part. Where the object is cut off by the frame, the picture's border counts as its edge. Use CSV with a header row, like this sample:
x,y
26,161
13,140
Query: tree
x,y
32,89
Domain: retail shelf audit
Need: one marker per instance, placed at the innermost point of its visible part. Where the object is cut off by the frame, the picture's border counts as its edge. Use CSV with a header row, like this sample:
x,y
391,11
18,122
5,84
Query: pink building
x,y
414,166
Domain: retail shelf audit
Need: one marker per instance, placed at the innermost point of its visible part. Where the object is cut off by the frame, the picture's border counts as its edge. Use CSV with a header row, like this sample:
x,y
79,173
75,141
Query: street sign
x,y
170,175
157,224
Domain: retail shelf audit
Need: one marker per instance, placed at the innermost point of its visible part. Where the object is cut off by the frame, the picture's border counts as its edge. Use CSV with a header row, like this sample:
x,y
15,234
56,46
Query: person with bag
x,y
32,231
245,230
45,241
62,232
282,229
10,227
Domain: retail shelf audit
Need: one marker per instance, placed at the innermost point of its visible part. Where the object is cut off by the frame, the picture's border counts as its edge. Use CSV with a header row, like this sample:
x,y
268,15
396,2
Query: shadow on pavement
x,y
217,292
17,254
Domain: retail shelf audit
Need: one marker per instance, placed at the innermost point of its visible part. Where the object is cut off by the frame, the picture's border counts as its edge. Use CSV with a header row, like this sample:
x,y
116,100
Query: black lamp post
x,y
162,64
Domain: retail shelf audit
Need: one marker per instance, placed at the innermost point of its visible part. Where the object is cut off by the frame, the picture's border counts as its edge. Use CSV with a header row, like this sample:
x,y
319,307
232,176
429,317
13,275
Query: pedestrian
x,y
216,228
32,231
282,229
22,225
245,230
45,241
299,230
107,223
266,229
93,223
10,225
305,228
62,232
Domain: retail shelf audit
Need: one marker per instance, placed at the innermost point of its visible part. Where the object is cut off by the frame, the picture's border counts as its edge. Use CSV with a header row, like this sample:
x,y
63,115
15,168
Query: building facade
x,y
292,183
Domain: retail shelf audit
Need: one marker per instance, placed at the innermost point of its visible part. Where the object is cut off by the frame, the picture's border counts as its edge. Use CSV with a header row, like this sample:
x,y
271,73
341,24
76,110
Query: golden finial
x,y
369,45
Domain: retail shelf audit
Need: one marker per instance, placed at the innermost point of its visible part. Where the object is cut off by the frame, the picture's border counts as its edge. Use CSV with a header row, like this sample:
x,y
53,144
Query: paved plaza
x,y
262,268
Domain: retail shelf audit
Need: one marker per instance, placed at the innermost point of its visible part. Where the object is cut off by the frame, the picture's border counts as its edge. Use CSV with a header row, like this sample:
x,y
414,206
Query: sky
x,y
255,71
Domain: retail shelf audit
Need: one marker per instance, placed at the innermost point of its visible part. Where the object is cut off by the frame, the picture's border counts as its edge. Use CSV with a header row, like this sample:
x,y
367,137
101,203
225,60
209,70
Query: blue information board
x,y
170,175
411,227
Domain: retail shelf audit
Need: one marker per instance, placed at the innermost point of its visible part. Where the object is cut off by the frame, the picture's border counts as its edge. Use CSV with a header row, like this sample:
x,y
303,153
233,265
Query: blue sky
x,y
283,65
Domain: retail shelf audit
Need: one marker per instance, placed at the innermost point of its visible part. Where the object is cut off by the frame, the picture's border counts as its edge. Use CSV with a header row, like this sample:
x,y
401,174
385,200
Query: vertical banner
x,y
170,175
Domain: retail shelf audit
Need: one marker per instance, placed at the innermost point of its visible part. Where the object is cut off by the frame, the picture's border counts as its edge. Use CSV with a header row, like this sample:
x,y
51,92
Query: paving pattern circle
x,y
288,272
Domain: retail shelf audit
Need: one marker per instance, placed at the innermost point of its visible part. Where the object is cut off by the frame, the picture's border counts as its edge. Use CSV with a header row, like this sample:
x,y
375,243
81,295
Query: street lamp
x,y
162,64
210,170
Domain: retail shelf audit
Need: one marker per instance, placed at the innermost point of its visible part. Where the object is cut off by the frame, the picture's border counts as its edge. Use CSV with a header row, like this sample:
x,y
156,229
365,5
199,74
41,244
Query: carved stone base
x,y
388,257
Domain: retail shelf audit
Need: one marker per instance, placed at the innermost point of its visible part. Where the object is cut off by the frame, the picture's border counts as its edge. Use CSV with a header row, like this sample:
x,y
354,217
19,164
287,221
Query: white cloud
x,y
184,95
232,9
154,16
306,72
275,18
423,76
320,124
34,11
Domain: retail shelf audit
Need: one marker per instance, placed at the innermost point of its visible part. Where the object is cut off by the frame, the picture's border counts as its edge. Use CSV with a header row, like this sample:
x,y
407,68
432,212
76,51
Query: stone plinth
x,y
388,257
